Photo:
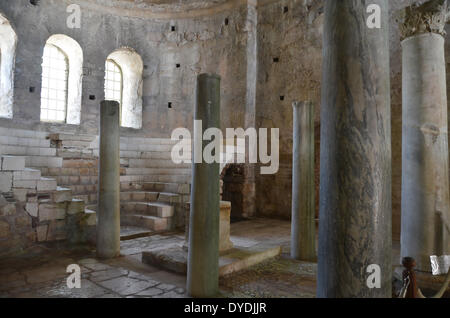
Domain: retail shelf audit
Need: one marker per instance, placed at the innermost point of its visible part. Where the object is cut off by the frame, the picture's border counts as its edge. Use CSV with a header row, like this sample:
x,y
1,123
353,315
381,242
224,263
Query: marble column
x,y
203,253
425,179
108,213
303,224
355,155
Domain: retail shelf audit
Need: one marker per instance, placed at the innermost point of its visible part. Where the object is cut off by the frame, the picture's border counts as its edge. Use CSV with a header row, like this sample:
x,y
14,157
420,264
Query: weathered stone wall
x,y
199,44
284,65
289,69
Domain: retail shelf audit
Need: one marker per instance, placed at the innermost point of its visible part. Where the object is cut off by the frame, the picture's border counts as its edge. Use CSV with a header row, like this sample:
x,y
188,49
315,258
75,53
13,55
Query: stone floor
x,y
42,273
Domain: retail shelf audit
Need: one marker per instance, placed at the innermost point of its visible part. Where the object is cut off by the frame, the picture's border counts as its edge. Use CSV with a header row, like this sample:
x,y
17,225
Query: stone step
x,y
159,171
146,196
73,172
82,189
9,197
156,178
139,196
89,198
26,151
80,163
76,153
156,163
149,222
72,137
61,195
133,232
12,163
167,187
24,141
27,174
145,154
47,184
11,132
41,161
157,209
90,217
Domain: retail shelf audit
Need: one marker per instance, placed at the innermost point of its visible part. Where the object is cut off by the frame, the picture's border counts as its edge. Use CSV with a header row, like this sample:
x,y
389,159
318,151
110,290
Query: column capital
x,y
423,17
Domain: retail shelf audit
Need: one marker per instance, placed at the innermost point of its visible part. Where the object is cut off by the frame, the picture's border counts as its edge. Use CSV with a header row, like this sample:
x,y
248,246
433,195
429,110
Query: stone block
x,y
224,232
32,208
41,232
3,201
4,229
90,218
6,181
13,163
25,184
75,206
23,222
56,231
27,174
45,184
62,195
7,210
20,194
56,211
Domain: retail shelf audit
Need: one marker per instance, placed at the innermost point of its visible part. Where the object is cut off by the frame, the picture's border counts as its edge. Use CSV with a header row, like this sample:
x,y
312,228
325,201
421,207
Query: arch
x,y
74,54
8,43
131,65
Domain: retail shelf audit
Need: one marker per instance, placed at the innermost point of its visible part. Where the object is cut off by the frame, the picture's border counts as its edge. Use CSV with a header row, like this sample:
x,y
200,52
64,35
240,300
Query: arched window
x,y
62,71
113,81
123,82
8,42
55,73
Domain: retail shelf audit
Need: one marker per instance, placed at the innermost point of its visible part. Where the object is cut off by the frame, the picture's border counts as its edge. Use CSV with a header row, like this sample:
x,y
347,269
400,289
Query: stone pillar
x,y
203,254
355,172
425,180
108,213
303,227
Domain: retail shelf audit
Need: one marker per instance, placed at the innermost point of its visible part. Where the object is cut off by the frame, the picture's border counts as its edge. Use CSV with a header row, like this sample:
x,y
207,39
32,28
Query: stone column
x,y
303,226
108,214
203,254
355,156
425,180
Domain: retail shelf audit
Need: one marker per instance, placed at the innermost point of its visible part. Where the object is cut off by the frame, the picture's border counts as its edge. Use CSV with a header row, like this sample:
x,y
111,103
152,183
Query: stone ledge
x,y
236,259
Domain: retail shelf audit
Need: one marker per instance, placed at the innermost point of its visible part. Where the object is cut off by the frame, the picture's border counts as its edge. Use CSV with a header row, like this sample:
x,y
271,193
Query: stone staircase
x,y
153,188
37,208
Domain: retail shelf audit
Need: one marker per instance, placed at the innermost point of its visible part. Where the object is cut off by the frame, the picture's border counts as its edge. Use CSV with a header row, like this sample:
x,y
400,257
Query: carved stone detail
x,y
419,18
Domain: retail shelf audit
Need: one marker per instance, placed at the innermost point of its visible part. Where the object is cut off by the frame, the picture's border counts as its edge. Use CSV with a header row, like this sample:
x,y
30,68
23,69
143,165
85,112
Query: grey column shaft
x,y
108,214
355,173
425,183
203,259
303,226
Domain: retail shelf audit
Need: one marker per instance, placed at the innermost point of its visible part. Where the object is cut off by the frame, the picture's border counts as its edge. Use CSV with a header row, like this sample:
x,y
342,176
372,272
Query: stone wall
x,y
289,64
268,52
199,44
34,209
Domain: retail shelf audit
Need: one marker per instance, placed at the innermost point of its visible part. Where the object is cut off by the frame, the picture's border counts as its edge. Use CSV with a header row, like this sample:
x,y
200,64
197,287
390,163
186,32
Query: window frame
x,y
66,89
121,85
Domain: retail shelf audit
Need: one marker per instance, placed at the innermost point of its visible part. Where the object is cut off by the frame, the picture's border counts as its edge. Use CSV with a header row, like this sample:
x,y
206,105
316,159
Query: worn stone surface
x,y
203,253
108,215
43,274
355,175
303,228
425,179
